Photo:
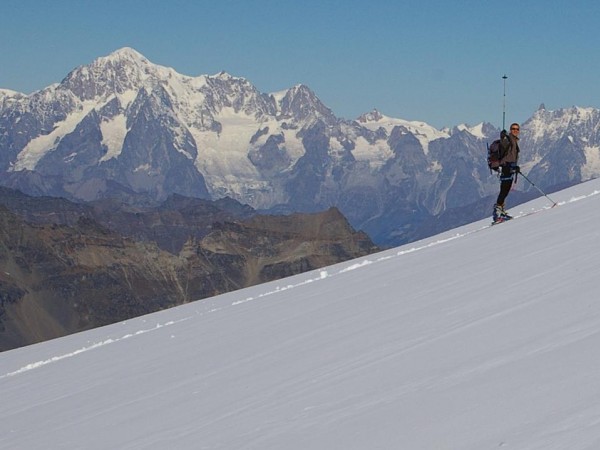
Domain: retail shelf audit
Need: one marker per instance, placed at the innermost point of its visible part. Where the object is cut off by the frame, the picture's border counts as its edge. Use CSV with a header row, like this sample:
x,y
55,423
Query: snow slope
x,y
478,338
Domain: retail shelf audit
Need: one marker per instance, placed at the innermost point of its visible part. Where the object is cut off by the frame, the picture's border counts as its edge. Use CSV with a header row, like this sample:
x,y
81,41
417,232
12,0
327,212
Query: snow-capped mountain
x,y
412,348
564,145
124,124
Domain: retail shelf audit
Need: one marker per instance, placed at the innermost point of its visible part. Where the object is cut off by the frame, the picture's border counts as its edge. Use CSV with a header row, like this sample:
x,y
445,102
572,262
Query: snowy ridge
x,y
222,113
422,346
476,131
424,132
551,124
8,97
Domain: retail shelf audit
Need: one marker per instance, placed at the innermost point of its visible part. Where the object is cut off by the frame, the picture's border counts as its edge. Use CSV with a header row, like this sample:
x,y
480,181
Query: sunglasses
x,y
515,129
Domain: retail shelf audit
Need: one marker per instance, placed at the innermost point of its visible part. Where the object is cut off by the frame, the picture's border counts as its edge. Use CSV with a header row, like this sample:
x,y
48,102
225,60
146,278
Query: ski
x,y
519,216
501,220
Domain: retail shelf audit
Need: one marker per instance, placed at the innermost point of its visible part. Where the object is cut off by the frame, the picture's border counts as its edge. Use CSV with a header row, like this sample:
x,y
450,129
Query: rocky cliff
x,y
57,279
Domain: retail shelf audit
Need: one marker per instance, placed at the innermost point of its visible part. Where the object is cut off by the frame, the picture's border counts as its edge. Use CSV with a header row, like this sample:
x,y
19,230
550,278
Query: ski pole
x,y
541,192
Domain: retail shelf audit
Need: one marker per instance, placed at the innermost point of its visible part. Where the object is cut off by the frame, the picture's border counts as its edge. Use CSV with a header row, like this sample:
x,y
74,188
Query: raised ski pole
x,y
541,192
504,103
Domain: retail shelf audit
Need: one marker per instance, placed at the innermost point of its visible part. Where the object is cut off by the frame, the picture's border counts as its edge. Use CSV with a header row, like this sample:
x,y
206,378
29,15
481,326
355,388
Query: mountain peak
x,y
301,88
122,70
127,53
228,78
373,116
224,75
303,104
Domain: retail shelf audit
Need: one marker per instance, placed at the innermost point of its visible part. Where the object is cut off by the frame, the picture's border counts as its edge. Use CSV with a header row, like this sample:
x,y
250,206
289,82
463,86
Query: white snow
x,y
476,131
424,132
478,338
127,97
223,157
39,146
556,123
9,92
592,162
8,97
143,168
113,135
376,155
279,95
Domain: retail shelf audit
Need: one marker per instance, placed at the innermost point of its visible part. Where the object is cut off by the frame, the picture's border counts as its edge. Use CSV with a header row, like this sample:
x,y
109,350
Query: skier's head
x,y
515,129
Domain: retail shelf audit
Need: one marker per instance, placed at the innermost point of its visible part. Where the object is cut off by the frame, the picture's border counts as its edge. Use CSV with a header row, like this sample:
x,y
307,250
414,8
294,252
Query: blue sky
x,y
437,61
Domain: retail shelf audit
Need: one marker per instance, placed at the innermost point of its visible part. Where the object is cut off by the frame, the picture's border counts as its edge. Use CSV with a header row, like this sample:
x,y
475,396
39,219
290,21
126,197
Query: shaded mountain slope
x,y
59,279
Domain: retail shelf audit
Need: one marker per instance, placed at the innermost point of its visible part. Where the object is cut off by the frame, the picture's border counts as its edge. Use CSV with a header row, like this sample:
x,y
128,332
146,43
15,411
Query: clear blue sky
x,y
438,61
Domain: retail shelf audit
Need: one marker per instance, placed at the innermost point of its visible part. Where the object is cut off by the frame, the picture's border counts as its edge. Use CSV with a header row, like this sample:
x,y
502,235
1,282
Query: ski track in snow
x,y
93,346
322,274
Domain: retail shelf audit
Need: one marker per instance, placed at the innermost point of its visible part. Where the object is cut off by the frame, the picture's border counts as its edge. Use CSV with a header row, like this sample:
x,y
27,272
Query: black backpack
x,y
496,151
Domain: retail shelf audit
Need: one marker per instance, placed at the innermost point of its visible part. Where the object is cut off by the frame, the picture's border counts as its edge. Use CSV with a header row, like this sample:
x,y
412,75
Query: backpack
x,y
496,151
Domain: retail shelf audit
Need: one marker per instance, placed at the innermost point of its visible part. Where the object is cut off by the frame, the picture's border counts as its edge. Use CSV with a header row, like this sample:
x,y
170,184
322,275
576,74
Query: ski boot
x,y
500,215
504,214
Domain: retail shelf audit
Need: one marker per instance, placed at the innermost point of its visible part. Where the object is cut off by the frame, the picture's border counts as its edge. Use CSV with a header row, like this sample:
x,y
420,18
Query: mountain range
x,y
121,127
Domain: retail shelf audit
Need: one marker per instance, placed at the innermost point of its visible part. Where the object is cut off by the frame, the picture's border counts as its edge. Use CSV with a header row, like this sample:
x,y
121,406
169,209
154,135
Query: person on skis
x,y
508,169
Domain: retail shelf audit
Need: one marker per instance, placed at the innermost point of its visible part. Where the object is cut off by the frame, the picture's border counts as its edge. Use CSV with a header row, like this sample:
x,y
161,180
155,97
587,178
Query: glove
x,y
503,134
516,169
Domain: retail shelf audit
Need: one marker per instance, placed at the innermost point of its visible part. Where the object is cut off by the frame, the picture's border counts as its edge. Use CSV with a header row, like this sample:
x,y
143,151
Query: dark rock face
x,y
269,158
74,269
286,245
168,224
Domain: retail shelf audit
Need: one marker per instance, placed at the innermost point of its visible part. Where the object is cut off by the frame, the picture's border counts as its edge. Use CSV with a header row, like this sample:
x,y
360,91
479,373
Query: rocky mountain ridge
x,y
169,225
62,271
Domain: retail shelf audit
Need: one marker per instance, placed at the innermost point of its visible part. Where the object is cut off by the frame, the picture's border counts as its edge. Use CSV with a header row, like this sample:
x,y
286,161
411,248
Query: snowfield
x,y
478,338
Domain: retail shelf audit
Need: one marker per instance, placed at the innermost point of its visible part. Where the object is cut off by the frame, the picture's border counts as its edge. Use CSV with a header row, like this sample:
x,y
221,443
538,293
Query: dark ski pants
x,y
506,182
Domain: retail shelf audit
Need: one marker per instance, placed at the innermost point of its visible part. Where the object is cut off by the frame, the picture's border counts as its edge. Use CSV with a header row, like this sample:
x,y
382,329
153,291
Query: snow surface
x,y
478,338
375,154
114,132
223,157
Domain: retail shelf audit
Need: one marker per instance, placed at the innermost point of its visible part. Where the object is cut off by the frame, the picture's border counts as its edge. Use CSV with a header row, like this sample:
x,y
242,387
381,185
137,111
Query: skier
x,y
509,169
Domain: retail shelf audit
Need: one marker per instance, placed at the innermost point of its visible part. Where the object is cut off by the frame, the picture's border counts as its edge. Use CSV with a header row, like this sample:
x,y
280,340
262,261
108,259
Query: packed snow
x,y
114,131
479,338
476,131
